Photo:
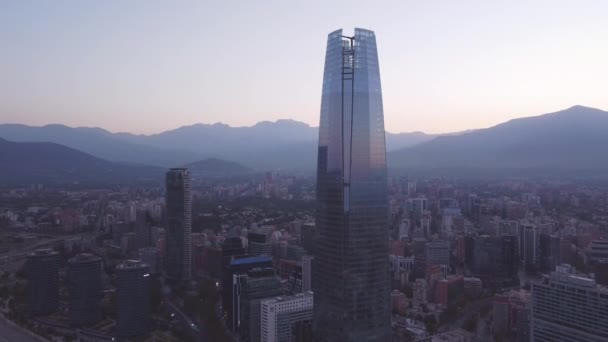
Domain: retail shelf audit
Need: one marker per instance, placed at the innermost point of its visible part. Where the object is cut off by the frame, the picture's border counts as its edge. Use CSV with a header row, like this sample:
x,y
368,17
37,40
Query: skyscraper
x,y
143,229
42,270
132,298
85,289
179,221
351,272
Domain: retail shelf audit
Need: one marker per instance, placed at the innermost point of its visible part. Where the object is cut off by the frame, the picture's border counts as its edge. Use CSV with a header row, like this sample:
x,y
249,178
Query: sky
x,y
150,66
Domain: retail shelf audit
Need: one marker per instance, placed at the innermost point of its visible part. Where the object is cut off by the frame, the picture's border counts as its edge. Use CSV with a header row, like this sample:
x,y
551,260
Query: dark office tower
x,y
531,248
419,247
307,237
259,244
143,229
256,285
85,289
351,274
42,271
178,240
231,285
493,259
132,298
232,248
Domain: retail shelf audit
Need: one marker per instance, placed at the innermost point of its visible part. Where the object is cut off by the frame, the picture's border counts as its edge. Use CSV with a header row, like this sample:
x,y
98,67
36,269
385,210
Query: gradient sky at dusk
x,y
149,66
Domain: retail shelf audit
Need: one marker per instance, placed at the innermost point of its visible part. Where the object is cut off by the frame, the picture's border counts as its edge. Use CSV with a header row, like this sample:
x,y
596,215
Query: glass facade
x,y
351,270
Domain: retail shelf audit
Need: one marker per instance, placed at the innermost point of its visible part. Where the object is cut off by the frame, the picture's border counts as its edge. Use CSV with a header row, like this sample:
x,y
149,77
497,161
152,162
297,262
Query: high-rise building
x,y
256,285
232,248
258,243
85,289
132,298
438,253
231,285
42,271
280,314
307,237
307,261
419,247
179,221
143,228
531,248
351,274
569,307
493,259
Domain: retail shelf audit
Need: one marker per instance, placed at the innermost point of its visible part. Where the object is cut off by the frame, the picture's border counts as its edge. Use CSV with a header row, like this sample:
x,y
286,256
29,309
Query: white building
x,y
280,313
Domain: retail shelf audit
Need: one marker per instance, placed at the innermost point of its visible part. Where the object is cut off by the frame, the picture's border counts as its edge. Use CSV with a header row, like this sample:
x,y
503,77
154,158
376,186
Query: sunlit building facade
x,y
351,270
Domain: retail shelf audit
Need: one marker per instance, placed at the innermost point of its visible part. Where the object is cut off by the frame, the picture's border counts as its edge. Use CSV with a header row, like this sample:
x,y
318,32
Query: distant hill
x,y
571,139
284,144
214,167
99,143
32,162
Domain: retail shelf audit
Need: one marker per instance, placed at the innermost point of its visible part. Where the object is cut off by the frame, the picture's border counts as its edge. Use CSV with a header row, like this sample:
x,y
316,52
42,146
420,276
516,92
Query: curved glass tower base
x,y
351,272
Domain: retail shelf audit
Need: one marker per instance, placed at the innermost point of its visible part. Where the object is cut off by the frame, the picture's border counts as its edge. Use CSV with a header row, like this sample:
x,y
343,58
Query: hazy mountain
x,y
573,139
97,142
53,163
214,167
286,144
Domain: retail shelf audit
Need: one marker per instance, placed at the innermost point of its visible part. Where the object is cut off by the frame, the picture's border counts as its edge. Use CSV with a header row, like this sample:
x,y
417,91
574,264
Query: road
x,y
9,332
192,328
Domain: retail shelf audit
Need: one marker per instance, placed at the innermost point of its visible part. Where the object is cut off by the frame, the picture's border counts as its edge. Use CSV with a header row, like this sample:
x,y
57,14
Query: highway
x,y
9,332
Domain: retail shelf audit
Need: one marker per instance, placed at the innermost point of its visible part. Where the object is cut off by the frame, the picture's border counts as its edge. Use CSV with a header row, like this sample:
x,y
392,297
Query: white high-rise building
x,y
281,313
569,307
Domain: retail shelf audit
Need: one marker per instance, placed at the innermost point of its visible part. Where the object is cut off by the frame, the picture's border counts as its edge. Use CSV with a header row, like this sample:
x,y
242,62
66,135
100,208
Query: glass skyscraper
x,y
351,269
179,224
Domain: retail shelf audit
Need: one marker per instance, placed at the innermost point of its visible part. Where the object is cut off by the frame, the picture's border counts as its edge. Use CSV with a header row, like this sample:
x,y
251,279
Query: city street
x,y
9,332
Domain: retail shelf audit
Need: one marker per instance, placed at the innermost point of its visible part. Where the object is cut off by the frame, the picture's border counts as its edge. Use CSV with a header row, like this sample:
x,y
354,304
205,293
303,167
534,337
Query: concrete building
x,y
597,251
569,307
307,261
281,313
179,224
85,289
449,292
42,271
419,249
132,298
438,253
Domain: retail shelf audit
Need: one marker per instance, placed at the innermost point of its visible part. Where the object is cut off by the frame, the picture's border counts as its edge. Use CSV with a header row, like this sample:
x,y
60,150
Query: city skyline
x,y
447,67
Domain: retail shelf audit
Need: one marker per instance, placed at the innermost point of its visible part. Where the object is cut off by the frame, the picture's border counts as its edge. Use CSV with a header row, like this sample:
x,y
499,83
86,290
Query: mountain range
x,y
43,162
571,139
266,145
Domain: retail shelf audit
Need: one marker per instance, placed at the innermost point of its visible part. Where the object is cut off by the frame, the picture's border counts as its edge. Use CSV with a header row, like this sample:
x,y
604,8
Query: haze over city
x,y
275,171
151,66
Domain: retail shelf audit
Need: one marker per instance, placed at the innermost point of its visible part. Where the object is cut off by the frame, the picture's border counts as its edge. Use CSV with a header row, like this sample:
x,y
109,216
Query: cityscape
x,y
284,231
